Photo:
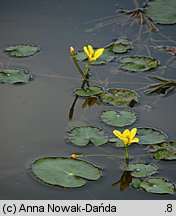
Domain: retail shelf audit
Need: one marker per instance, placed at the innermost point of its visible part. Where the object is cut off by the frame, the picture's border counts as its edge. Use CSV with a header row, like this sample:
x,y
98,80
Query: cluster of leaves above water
x,y
154,185
118,46
138,176
17,75
112,96
65,172
151,185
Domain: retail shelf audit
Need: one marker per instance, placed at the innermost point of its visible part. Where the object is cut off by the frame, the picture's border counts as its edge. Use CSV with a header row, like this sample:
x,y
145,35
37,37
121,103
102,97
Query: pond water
x,y
34,117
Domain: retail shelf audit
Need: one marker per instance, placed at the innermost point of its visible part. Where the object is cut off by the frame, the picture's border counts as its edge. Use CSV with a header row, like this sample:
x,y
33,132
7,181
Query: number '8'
x,y
169,207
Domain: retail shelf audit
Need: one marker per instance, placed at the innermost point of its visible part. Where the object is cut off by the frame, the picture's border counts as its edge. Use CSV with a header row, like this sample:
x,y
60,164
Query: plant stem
x,y
127,154
87,71
74,102
78,67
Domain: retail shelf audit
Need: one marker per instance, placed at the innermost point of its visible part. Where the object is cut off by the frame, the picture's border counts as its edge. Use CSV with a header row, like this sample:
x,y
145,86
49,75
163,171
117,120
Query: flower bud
x,y
72,51
74,156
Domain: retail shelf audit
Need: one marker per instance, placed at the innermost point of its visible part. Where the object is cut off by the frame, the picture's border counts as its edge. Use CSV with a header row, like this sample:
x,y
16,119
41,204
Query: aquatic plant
x,y
127,137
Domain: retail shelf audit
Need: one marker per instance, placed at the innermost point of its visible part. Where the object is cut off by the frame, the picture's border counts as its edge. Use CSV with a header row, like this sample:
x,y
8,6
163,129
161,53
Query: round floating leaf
x,y
162,12
14,76
120,97
105,58
121,45
138,63
90,91
81,136
136,183
164,151
65,172
118,118
157,186
150,136
141,170
22,50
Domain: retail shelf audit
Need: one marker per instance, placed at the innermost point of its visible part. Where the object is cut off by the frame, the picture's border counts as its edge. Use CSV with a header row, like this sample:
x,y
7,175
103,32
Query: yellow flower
x,y
127,136
93,55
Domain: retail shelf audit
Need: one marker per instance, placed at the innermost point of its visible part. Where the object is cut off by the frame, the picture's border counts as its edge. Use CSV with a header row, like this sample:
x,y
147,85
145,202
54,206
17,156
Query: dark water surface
x,y
34,117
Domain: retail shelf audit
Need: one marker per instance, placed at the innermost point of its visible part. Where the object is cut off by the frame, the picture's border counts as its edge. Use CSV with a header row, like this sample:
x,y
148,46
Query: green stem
x,y
127,154
87,71
78,67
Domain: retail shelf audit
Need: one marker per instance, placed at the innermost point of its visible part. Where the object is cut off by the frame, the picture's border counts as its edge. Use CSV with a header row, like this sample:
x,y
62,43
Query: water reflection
x,y
124,181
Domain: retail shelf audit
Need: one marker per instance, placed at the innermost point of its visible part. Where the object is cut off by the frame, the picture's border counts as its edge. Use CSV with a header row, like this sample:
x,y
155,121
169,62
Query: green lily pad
x,y
162,12
157,186
90,91
65,172
81,136
14,76
136,183
121,45
138,63
148,136
22,50
164,151
120,97
118,118
141,169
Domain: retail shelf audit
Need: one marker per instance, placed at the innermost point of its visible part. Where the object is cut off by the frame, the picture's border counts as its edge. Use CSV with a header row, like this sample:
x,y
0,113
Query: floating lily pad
x,y
164,151
121,45
157,186
148,136
138,63
65,172
136,183
90,91
22,50
141,170
120,97
81,136
118,118
14,76
162,12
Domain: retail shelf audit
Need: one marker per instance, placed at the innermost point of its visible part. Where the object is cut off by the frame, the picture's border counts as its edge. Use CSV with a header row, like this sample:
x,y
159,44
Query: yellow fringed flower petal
x,y
133,133
127,137
91,54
